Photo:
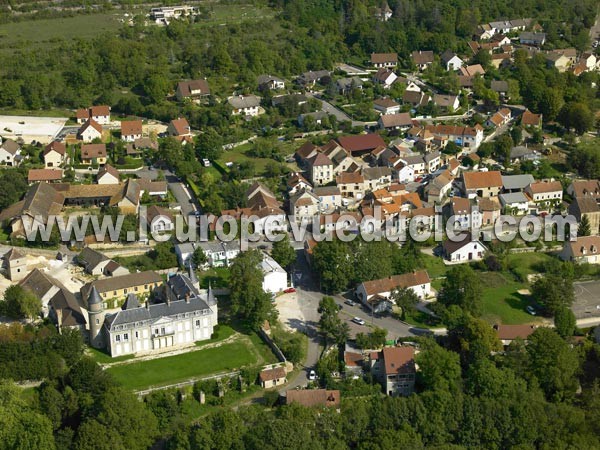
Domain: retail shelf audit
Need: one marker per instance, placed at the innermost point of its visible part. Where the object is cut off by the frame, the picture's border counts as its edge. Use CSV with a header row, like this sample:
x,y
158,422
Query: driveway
x,y
340,115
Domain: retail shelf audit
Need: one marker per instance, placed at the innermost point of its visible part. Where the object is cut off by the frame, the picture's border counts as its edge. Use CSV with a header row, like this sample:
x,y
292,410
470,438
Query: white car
x,y
358,320
312,375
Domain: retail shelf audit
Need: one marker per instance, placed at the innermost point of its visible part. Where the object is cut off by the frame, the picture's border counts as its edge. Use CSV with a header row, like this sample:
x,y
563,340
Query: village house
x,y
515,203
131,130
89,131
471,71
463,249
159,219
245,105
463,215
395,369
320,168
193,90
399,121
307,151
274,276
523,153
330,198
532,38
377,177
48,175
439,187
433,161
272,377
451,61
412,163
54,154
312,398
489,210
386,105
179,128
346,85
310,78
466,137
14,264
270,83
446,102
516,183
218,253
545,195
560,60
385,77
422,59
377,294
384,60
529,119
509,333
351,185
586,249
92,261
585,188
482,184
501,60
107,174
588,207
362,143
303,206
297,183
340,157
93,154
384,13
415,98
353,364
99,114
502,117
10,153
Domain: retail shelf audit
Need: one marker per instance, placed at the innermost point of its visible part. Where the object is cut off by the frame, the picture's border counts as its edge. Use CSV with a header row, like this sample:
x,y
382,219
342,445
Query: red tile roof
x,y
478,180
313,397
398,360
510,332
390,283
44,175
181,126
56,146
361,142
131,127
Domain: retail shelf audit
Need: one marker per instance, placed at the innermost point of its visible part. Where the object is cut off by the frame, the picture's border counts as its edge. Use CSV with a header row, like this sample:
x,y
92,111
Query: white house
x,y
385,77
218,254
417,281
10,153
586,249
304,206
451,61
463,250
245,105
514,202
386,105
329,197
275,278
90,130
404,173
159,219
54,154
107,174
131,130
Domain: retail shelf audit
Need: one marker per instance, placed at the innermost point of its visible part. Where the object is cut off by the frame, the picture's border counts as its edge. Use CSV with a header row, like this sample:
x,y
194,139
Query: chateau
x,y
187,315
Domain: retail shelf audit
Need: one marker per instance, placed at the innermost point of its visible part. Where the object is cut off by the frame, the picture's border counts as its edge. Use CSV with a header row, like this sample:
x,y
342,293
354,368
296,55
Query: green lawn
x,y
501,301
435,266
173,369
524,264
51,32
104,358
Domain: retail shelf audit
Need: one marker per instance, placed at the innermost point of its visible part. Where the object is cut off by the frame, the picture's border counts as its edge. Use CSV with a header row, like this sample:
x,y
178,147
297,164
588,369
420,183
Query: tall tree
x,y
283,252
248,299
565,322
584,226
462,287
20,303
406,299
330,325
334,264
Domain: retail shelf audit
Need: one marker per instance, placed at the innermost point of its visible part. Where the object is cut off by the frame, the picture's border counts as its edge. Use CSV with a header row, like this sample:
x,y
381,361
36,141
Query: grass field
x,y
501,301
50,32
525,264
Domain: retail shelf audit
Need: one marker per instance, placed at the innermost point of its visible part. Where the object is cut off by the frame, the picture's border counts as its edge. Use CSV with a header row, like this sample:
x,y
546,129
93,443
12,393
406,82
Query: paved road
x,y
595,31
340,115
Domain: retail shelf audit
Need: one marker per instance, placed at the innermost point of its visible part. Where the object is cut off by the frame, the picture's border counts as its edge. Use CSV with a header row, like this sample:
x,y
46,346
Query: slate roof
x,y
517,181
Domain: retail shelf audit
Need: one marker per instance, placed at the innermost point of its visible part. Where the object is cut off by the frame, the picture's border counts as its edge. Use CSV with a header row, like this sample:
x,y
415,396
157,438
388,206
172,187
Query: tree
x,y
577,116
584,226
516,133
553,291
406,299
551,103
462,287
565,322
503,145
553,363
334,264
199,257
283,252
20,303
248,299
372,340
209,145
585,158
439,369
330,325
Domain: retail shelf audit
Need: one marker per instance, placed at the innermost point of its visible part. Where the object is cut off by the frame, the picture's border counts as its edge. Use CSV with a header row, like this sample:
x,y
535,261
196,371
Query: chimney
x,y
187,298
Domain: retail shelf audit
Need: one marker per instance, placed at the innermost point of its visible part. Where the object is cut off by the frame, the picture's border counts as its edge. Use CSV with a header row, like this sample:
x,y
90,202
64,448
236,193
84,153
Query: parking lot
x,y
587,299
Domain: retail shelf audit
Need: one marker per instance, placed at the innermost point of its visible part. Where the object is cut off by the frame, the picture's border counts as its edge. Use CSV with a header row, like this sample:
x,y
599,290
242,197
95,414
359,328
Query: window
x,y
197,324
118,338
137,335
136,288
114,292
156,331
124,291
145,286
126,337
97,321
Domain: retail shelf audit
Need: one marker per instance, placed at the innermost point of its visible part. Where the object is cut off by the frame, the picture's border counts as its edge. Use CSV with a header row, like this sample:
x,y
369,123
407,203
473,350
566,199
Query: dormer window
x,y
583,250
593,249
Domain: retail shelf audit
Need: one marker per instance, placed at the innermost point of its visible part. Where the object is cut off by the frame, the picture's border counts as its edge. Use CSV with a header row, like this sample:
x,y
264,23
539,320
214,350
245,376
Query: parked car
x,y
290,290
350,302
531,310
312,375
358,321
